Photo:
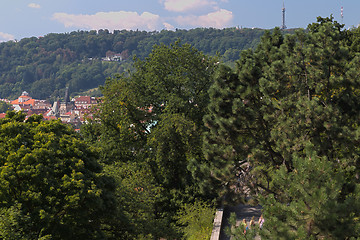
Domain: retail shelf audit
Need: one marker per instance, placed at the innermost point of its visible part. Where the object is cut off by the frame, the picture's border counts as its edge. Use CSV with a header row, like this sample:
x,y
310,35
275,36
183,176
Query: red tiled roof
x,y
30,101
49,117
15,101
83,99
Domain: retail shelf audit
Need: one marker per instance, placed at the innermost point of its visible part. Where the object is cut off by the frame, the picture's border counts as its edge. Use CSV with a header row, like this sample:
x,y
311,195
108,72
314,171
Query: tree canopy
x,y
286,121
44,66
180,132
51,182
153,119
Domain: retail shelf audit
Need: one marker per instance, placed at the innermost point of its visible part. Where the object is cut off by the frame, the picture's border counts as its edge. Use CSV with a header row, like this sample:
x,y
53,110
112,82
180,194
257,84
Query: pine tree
x,y
292,92
238,125
312,204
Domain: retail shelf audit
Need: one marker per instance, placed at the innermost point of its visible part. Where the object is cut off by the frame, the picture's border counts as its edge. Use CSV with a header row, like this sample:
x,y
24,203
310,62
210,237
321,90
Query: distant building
x,y
111,56
23,99
84,101
73,112
66,106
84,106
29,105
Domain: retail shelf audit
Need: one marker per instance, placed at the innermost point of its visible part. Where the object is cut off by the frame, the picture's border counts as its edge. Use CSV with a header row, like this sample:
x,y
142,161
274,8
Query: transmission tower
x,y
342,15
283,26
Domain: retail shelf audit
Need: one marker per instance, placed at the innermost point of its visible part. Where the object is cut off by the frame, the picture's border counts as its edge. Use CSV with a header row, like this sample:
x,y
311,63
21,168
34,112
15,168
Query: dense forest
x,y
181,134
43,66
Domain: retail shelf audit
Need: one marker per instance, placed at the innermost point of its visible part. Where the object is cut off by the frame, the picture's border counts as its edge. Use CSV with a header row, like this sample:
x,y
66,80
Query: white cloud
x,y
34,5
6,37
186,5
110,20
219,19
168,26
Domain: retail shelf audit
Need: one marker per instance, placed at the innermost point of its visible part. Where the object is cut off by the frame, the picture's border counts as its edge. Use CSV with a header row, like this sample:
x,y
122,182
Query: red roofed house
x,y
23,99
30,105
84,101
83,106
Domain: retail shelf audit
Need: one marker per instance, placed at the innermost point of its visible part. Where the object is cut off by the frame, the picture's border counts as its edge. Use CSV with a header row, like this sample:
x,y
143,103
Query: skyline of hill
x,y
45,66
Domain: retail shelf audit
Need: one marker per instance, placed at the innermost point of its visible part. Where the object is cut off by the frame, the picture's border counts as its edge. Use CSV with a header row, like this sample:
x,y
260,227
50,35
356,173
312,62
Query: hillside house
x,y
111,56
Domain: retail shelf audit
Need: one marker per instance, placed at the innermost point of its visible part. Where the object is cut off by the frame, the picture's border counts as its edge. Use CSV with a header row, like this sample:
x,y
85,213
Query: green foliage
x,y
197,220
46,65
242,230
124,124
312,205
136,195
279,99
4,107
173,140
177,94
180,85
292,93
13,223
151,120
51,183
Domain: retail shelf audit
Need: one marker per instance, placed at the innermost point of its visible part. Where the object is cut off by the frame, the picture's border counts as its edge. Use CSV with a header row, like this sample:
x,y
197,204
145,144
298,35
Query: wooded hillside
x,y
181,134
43,66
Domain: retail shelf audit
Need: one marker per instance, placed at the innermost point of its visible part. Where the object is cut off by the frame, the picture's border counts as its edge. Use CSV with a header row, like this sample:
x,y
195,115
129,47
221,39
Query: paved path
x,y
242,211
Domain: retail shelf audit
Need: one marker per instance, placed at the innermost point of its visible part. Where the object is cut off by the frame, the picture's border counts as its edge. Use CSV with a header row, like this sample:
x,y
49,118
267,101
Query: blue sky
x,y
27,18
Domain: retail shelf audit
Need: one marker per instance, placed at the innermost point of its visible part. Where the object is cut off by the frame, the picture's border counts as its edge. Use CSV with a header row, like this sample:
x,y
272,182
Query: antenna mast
x,y
342,15
283,26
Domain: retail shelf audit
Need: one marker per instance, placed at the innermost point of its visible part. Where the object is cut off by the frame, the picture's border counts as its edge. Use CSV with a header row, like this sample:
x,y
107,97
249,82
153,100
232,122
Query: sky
x,y
35,18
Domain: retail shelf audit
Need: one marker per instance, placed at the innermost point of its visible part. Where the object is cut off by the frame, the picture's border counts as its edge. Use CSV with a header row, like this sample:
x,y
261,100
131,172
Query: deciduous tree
x,y
51,183
153,118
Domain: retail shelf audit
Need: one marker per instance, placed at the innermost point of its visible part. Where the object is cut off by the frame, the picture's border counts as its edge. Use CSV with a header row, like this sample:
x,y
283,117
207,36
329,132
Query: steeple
x,y
66,105
67,97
